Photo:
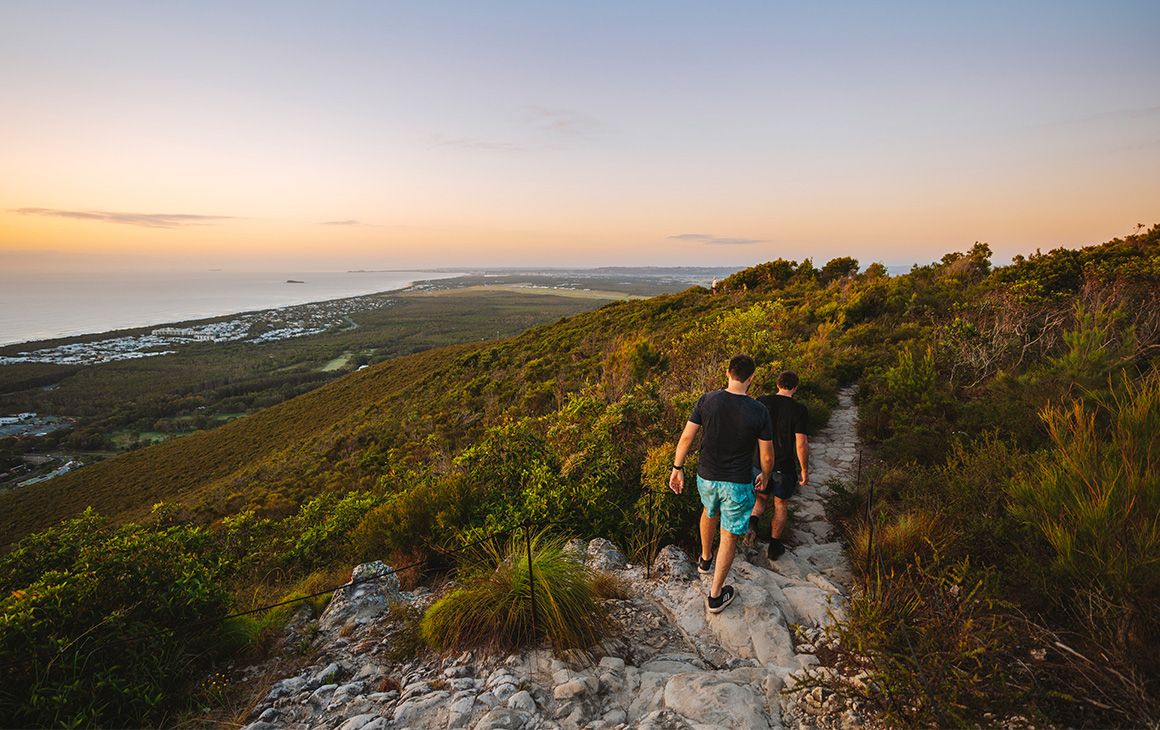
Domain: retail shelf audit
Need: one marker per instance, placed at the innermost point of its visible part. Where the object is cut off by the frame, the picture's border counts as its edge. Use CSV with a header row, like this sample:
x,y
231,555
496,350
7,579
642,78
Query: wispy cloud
x,y
559,127
709,240
145,220
538,128
473,143
343,223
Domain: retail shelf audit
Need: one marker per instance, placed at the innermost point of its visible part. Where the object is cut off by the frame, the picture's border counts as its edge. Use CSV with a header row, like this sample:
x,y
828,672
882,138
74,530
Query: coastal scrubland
x,y
1005,528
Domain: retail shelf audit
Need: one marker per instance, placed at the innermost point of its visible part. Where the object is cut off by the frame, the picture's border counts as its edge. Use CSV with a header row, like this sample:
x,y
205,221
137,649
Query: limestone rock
x,y
603,555
375,587
710,699
673,564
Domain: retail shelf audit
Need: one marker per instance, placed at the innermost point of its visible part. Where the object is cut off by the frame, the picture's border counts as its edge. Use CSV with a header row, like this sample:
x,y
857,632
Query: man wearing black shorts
x,y
791,447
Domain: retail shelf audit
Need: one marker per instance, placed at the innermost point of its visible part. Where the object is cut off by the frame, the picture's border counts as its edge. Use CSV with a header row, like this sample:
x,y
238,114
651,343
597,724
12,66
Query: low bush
x,y
410,524
93,619
503,605
937,646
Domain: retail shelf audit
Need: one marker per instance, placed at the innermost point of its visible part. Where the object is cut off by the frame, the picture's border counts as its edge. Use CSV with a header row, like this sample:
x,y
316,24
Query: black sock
x,y
753,523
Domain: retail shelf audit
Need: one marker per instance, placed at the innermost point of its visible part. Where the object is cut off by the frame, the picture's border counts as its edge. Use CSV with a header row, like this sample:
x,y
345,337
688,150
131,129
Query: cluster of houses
x,y
13,476
264,326
30,424
30,471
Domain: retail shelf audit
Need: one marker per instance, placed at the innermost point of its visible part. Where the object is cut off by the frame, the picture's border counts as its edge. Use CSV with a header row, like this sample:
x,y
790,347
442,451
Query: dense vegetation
x,y
1013,411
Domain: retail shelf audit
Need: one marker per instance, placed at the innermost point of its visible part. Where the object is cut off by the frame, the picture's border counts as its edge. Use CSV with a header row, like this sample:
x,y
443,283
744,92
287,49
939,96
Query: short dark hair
x,y
788,380
741,367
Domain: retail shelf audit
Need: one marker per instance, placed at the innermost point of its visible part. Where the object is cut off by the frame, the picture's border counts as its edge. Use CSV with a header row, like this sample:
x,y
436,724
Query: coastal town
x,y
33,468
262,326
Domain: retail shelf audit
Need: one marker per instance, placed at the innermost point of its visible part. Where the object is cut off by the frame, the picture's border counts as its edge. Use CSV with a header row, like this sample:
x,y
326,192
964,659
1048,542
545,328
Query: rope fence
x,y
527,526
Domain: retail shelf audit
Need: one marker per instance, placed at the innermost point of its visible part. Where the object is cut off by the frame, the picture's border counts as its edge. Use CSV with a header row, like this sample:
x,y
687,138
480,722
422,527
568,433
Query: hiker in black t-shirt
x,y
733,426
791,448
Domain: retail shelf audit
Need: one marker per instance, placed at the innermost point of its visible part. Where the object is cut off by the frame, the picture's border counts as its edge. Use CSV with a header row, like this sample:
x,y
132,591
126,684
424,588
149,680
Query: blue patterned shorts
x,y
731,500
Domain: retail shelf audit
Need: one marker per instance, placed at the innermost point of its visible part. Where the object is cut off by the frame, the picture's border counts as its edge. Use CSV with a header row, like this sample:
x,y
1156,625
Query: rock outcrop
x,y
670,665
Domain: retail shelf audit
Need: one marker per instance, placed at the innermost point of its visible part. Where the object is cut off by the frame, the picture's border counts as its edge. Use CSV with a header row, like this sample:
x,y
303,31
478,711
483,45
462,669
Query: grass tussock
x,y
494,608
898,539
937,636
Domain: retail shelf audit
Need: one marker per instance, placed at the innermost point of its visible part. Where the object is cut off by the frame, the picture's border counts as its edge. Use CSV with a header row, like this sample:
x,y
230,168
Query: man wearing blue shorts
x,y
733,424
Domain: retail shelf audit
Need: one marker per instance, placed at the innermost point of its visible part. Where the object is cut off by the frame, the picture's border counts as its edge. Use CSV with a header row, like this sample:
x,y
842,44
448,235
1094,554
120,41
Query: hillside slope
x,y
196,467
284,454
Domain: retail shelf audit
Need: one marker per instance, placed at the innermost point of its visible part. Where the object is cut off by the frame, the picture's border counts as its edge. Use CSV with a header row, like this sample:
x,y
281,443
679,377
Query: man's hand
x,y
803,454
759,483
684,446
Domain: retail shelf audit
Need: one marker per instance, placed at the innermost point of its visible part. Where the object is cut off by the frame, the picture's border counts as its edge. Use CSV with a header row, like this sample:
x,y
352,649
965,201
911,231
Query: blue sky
x,y
375,134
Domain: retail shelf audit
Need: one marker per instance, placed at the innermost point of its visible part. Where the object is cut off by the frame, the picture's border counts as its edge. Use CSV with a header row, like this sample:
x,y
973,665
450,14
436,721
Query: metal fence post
x,y
531,577
648,546
870,537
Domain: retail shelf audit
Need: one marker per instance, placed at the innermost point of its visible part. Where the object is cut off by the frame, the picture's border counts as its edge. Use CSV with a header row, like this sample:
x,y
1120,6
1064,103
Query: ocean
x,y
43,306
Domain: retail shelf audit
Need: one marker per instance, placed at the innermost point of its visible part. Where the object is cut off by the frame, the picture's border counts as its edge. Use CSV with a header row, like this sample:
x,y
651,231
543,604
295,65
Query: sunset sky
x,y
419,134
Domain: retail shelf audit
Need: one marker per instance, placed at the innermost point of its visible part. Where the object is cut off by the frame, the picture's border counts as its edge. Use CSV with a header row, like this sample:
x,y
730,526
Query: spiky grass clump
x,y
494,607
898,539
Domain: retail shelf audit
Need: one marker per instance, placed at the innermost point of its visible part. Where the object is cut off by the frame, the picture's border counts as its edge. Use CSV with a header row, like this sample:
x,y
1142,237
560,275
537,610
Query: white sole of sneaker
x,y
724,603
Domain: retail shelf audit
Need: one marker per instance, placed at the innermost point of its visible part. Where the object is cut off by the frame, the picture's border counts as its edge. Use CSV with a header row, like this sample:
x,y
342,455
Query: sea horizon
x,y
44,306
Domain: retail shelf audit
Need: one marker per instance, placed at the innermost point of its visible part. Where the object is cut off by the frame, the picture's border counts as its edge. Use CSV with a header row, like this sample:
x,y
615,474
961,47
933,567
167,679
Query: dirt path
x,y
833,455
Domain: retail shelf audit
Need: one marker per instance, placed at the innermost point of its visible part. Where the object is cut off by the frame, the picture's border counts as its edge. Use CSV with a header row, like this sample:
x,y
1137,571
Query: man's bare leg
x,y
725,552
780,517
759,505
708,531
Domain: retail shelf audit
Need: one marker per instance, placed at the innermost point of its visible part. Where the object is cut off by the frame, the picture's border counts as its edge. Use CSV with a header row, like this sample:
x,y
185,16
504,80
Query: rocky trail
x,y
671,664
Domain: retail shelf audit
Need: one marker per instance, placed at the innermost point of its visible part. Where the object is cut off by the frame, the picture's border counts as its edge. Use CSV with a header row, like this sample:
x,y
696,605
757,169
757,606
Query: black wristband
x,y
678,468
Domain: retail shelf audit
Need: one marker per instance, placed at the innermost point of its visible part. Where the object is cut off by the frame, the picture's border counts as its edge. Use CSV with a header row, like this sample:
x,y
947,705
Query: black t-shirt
x,y
731,424
789,418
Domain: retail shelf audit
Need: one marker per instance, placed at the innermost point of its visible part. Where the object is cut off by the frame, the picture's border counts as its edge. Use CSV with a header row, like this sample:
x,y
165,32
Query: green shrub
x,y
494,608
88,622
898,539
320,528
659,515
426,515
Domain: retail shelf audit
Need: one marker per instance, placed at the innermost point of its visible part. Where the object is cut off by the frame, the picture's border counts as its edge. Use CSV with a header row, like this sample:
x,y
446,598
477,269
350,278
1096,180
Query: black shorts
x,y
781,485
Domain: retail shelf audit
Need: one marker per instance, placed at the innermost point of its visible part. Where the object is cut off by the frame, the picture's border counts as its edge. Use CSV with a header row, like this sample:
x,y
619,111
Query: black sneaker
x,y
704,567
721,601
775,548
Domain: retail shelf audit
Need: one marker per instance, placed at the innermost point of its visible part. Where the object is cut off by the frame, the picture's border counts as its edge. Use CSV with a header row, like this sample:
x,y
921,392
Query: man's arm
x,y
684,446
803,453
766,449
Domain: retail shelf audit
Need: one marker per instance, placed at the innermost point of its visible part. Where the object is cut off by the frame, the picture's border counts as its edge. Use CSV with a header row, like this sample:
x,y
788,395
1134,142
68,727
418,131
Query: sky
x,y
365,135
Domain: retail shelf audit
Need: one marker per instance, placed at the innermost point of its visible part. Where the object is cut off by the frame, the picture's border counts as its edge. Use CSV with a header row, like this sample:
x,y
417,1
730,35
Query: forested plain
x,y
131,403
1012,484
